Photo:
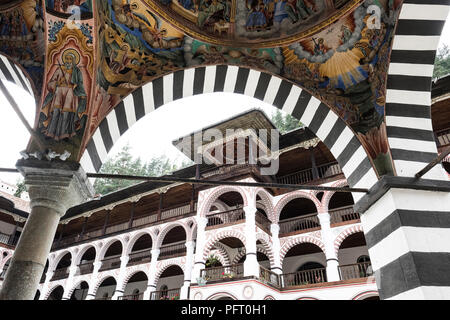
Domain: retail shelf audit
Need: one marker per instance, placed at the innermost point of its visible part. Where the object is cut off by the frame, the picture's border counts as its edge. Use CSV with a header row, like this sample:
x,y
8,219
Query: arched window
x,y
362,259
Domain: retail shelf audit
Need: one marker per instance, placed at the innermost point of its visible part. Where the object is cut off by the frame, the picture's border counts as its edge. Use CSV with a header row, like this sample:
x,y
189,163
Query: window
x,y
363,259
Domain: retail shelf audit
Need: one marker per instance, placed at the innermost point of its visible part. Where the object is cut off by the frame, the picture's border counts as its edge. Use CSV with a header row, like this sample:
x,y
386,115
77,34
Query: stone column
x,y
328,241
53,187
199,263
406,224
151,287
122,274
251,265
184,293
91,293
275,231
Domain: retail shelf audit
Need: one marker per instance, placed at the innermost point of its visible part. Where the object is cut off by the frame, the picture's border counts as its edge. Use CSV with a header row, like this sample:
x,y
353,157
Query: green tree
x,y
442,62
124,164
285,123
21,188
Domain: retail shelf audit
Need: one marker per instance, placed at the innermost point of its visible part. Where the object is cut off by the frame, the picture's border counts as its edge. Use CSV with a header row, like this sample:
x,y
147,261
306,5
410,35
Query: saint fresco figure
x,y
66,99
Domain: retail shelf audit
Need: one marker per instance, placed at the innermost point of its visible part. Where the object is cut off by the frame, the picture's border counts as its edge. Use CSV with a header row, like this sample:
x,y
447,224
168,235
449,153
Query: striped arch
x,y
327,195
72,289
58,258
262,250
83,251
132,272
108,243
100,281
12,72
220,248
291,196
266,199
215,193
51,289
344,234
219,295
296,241
365,295
136,237
219,236
316,115
166,264
221,256
167,229
408,95
266,247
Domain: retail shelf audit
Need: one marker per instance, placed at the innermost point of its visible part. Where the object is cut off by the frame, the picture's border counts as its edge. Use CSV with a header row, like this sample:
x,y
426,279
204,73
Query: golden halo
x,y
74,53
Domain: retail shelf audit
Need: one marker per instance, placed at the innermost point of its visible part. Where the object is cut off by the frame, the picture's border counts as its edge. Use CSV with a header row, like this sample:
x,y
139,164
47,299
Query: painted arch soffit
x,y
120,45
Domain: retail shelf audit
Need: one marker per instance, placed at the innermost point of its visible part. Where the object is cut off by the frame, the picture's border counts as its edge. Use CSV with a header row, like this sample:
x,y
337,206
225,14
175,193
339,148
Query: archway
x,y
169,284
111,258
86,263
173,242
106,289
80,292
298,215
232,203
353,256
135,287
141,250
340,208
304,264
56,294
62,268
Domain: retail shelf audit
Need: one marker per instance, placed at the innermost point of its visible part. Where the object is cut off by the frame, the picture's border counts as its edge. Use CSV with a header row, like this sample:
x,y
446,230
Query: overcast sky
x,y
152,135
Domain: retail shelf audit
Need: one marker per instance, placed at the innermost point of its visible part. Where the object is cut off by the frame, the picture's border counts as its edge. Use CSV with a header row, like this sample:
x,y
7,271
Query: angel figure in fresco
x,y
66,99
346,34
319,46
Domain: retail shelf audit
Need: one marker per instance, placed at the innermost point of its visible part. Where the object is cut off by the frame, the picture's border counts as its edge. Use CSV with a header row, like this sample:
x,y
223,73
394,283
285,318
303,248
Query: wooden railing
x,y
172,294
123,226
138,296
269,277
263,221
173,250
59,274
355,271
443,137
85,268
304,176
226,217
302,223
139,257
235,271
343,214
8,239
304,277
110,263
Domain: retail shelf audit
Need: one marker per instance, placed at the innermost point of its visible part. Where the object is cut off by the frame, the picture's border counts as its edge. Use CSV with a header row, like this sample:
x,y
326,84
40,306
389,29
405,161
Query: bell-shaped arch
x,y
105,288
56,293
169,280
172,241
85,260
111,254
62,266
139,249
79,291
135,285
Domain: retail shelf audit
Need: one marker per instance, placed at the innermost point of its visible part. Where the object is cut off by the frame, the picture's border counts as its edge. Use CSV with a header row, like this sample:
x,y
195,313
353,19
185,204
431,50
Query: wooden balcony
x,y
223,273
85,268
304,223
263,222
172,251
8,239
110,263
59,274
355,271
269,277
343,215
226,217
138,296
304,277
172,294
138,257
305,176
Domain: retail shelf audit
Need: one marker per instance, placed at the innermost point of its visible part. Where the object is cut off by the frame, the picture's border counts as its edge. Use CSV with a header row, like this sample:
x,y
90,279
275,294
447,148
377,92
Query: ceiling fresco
x,y
337,50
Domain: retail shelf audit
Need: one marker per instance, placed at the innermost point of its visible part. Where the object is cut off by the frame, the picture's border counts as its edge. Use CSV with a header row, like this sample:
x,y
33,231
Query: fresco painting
x,y
66,8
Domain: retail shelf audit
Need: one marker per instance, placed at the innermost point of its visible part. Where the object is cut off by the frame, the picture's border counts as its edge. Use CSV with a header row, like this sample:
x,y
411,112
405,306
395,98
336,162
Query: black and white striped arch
x,y
332,130
408,96
11,72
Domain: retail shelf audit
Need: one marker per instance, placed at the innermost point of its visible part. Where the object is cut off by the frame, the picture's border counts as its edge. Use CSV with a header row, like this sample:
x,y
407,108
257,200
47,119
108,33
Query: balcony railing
x,y
226,217
263,221
85,268
304,277
355,271
304,176
139,257
8,239
343,214
269,277
170,251
123,226
110,263
223,273
59,274
138,296
172,294
302,223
